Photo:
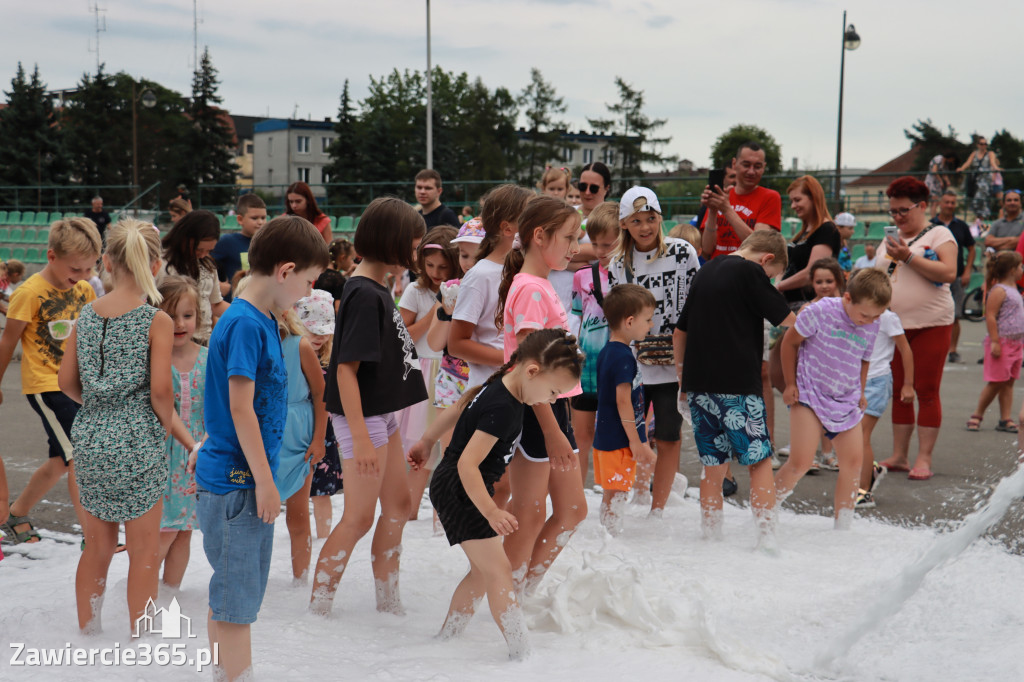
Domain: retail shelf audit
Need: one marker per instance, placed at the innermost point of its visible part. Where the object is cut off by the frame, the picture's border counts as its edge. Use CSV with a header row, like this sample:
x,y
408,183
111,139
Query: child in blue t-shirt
x,y
620,439
246,405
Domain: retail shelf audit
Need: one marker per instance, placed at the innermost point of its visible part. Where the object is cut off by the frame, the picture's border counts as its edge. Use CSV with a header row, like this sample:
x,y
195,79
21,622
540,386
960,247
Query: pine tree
x,y
212,140
544,129
97,124
31,145
346,155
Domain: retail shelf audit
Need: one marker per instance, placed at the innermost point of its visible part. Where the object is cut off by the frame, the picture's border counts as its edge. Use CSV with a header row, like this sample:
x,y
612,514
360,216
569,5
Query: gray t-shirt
x,y
1008,228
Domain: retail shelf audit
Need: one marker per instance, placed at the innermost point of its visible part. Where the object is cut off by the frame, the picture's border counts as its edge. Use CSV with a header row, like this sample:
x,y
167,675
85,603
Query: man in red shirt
x,y
745,208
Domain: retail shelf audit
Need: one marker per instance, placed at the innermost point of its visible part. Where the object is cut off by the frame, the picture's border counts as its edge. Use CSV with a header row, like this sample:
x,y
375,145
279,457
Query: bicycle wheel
x,y
973,308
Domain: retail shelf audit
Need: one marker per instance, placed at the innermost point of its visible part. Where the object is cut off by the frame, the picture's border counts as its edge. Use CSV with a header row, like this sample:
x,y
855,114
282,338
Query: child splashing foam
x,y
825,361
546,460
545,365
374,374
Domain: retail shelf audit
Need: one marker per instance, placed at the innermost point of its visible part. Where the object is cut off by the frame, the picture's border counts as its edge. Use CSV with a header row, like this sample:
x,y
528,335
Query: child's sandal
x,y
1007,426
974,423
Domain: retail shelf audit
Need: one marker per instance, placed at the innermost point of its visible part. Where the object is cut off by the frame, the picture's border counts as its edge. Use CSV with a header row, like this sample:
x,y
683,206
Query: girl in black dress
x,y
546,365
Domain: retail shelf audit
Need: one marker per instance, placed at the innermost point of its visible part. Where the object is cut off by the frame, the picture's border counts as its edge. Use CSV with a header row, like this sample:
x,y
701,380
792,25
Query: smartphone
x,y
716,177
892,232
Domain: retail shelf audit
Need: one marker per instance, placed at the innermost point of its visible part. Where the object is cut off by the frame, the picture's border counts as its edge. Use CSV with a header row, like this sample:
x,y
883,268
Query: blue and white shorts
x,y
729,426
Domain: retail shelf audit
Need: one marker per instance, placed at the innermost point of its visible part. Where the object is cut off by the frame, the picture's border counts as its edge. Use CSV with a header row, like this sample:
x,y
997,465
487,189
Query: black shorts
x,y
584,402
458,515
668,423
531,443
58,414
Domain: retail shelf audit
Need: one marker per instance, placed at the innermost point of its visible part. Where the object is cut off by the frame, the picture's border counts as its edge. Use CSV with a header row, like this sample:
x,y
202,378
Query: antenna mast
x,y
101,26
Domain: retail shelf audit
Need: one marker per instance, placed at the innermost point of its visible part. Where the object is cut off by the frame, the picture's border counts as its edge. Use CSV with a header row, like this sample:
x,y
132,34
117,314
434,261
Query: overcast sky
x,y
704,66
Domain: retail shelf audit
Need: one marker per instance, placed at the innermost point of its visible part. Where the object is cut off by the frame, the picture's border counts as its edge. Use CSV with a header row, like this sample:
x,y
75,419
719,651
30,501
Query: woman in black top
x,y
818,238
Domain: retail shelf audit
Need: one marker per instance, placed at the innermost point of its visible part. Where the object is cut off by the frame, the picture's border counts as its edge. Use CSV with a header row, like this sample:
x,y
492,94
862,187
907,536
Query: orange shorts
x,y
614,470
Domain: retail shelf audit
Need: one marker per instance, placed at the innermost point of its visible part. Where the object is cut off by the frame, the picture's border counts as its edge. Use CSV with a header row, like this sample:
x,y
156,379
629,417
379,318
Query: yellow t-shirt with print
x,y
50,313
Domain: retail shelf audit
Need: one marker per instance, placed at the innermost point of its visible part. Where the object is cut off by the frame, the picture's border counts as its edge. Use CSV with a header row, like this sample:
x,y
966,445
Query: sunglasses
x,y
1011,191
60,329
901,212
584,187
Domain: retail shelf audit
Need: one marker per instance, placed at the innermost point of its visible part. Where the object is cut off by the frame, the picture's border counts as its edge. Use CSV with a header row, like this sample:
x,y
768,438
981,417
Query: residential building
x,y
287,150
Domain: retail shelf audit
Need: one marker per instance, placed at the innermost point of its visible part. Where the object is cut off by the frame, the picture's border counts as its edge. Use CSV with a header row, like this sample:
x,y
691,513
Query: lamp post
x,y
851,41
430,100
148,100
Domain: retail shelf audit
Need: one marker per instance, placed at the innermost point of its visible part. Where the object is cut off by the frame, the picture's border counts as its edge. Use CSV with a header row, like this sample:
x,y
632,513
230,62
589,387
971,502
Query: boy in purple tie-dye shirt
x,y
825,358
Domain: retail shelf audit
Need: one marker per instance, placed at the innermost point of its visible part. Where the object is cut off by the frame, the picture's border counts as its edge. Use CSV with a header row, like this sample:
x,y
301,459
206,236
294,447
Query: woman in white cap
x,y
665,266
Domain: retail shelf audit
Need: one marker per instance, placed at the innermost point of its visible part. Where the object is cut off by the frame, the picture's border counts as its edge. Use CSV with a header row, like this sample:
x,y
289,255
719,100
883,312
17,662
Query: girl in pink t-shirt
x,y
546,460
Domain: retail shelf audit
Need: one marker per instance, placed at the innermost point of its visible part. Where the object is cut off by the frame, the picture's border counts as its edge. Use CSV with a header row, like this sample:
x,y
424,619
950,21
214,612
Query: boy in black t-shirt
x,y
620,439
719,336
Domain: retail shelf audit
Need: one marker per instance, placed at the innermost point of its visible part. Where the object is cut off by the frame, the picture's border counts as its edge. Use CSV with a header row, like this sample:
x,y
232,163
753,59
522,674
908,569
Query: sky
x,y
702,66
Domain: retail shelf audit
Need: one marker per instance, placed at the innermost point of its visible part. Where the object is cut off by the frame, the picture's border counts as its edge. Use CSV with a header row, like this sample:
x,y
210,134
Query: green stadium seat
x,y
71,214
54,217
877,230
5,235
15,236
27,218
19,253
5,253
42,218
3,217
32,255
14,218
28,235
344,223
333,222
43,235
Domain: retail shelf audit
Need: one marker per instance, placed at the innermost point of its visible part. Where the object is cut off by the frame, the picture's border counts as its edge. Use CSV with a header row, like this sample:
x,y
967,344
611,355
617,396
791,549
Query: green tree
x,y
211,139
346,155
31,148
724,149
632,142
544,130
1010,152
393,117
929,142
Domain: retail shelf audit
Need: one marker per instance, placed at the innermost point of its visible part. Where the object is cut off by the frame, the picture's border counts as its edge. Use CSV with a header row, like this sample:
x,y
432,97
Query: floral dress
x,y
180,494
120,463
981,167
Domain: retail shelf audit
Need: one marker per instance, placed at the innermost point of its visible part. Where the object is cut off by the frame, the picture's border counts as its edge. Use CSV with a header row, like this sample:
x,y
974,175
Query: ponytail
x,y
513,264
134,246
503,204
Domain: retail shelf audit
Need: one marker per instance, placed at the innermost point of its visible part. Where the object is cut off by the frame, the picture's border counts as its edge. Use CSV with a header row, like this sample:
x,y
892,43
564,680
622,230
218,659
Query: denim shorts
x,y
878,391
729,426
238,546
381,427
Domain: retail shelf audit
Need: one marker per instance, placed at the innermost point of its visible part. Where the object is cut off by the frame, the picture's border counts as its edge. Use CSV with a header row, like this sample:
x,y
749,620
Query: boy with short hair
x,y
245,410
251,214
15,271
428,196
723,319
41,315
620,438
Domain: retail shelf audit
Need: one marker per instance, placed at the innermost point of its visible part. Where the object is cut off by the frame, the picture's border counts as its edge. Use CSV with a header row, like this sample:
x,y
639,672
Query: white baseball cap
x,y
845,219
638,199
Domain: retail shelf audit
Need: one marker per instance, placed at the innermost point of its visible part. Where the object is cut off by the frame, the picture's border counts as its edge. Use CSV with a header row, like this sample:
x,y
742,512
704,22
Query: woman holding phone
x,y
920,259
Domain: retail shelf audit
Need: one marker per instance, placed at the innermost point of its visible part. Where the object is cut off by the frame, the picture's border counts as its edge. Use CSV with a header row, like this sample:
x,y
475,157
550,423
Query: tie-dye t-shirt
x,y
593,334
532,304
829,362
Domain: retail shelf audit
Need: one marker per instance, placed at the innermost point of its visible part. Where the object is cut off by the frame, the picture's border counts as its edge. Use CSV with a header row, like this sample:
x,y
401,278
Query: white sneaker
x,y
783,451
776,463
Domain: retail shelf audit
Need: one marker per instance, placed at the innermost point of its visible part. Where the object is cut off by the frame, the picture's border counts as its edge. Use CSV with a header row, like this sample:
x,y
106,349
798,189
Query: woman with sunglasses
x,y
921,263
984,167
594,183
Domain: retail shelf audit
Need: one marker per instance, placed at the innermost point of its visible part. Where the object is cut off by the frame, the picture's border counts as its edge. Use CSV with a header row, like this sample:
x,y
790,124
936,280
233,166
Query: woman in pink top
x,y
301,202
545,461
921,262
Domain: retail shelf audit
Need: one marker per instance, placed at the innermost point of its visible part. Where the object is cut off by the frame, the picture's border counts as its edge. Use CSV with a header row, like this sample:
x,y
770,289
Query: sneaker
x,y
783,451
729,487
864,500
878,472
954,357
829,463
776,463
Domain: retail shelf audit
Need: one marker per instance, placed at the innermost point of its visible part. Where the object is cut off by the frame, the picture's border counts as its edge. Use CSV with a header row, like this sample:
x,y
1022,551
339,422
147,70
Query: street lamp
x,y
430,100
148,100
851,41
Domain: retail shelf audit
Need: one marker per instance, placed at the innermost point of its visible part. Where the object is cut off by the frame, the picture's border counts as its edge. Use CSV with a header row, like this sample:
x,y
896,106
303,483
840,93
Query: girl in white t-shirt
x,y
437,261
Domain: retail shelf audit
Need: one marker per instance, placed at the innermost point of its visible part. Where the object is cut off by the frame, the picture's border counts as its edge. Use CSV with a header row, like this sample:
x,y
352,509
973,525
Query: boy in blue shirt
x,y
620,439
251,214
246,404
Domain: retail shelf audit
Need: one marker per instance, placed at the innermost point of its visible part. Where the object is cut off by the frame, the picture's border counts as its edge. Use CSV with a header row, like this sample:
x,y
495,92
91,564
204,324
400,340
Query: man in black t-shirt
x,y
428,194
964,267
98,216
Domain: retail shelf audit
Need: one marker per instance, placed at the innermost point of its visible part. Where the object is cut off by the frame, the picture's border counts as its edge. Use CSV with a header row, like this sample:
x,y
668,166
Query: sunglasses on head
x,y
1011,191
584,187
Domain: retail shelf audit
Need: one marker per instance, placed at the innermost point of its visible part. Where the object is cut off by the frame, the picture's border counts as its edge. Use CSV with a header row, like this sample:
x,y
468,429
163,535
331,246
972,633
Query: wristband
x,y
195,448
443,316
909,258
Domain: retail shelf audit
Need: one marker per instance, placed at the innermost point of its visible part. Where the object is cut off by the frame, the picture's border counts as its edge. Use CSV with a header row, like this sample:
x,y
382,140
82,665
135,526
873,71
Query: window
x,y
248,147
325,142
567,154
608,156
270,146
303,174
302,144
588,156
325,175
270,176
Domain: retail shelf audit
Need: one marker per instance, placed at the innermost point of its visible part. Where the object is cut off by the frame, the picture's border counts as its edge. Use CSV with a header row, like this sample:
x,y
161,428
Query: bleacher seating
x,y
344,224
15,236
43,235
28,235
14,218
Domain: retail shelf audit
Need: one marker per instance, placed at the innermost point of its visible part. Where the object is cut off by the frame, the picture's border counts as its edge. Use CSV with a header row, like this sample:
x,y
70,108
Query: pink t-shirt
x,y
919,301
532,304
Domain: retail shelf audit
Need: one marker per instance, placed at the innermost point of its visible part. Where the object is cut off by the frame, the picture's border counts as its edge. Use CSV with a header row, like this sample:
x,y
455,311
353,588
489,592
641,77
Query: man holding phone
x,y
733,215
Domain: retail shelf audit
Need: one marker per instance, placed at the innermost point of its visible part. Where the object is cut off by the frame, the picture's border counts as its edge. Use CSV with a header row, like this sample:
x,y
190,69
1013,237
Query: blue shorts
x,y
238,546
729,426
878,391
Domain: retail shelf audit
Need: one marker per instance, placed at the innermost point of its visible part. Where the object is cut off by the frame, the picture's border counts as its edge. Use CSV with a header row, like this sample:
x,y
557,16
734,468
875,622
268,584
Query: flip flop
x,y
919,474
895,467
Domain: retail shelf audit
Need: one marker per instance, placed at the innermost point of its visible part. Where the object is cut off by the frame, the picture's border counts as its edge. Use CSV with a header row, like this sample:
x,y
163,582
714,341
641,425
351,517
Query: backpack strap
x,y
598,294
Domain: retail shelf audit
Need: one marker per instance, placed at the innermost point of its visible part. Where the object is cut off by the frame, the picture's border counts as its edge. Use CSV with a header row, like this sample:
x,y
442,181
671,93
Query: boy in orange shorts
x,y
620,439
